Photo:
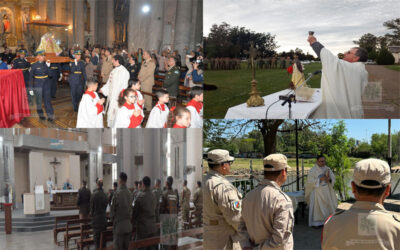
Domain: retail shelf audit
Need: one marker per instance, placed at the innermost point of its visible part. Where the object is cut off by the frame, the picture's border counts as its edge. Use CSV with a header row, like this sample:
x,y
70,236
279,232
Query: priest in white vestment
x,y
342,82
320,196
117,81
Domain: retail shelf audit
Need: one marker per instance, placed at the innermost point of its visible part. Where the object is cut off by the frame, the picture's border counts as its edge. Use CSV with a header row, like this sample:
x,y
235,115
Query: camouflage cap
x,y
374,170
275,162
217,156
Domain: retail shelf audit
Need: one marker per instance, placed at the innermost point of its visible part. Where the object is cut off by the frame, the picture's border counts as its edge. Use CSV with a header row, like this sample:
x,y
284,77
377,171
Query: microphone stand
x,y
291,96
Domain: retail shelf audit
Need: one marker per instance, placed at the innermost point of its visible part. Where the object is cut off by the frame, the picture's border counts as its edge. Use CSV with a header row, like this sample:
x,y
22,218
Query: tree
x,y
227,41
337,157
394,26
367,41
385,58
379,145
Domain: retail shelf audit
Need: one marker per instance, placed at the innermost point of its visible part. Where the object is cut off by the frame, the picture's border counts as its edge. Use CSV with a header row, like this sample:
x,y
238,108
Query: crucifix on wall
x,y
55,164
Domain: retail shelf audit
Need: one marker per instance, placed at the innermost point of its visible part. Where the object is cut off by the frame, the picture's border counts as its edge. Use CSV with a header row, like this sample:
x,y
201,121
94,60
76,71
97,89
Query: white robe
x,y
88,115
342,85
196,118
320,196
117,81
158,118
123,117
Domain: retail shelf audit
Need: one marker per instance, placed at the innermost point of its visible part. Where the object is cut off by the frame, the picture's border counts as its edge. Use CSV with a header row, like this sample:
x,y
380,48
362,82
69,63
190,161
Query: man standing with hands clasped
x,y
366,225
320,196
223,222
342,82
267,210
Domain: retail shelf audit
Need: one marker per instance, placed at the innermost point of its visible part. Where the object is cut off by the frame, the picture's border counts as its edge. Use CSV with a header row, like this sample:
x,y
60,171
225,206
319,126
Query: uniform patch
x,y
236,205
176,72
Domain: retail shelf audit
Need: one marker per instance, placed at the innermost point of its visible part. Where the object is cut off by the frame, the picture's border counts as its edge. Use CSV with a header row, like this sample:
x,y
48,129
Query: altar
x,y
300,109
64,199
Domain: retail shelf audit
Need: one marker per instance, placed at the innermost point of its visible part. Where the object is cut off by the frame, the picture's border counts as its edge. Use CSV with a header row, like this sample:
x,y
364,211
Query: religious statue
x,y
49,44
6,26
255,99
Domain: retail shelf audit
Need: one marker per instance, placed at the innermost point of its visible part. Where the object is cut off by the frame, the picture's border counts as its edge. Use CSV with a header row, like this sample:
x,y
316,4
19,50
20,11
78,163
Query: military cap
x,y
369,170
22,51
217,156
275,162
40,53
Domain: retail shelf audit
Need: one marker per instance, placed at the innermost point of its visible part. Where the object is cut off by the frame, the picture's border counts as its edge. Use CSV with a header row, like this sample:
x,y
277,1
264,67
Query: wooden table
x,y
64,199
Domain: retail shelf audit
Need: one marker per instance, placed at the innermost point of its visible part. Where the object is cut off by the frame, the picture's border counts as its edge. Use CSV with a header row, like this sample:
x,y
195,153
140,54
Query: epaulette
x,y
396,217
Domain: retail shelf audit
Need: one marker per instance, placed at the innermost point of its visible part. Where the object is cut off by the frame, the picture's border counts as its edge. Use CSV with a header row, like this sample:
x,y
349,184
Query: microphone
x,y
317,72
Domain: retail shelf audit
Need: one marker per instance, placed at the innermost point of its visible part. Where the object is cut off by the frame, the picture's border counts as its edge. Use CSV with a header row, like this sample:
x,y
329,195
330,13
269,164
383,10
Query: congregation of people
x,y
98,78
136,213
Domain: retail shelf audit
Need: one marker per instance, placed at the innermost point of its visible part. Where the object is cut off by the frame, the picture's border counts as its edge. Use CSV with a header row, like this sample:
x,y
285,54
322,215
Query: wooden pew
x,y
105,237
57,228
193,221
73,230
86,237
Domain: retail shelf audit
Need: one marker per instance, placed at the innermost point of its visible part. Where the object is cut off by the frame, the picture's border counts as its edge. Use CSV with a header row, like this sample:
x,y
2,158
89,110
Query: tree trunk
x,y
269,130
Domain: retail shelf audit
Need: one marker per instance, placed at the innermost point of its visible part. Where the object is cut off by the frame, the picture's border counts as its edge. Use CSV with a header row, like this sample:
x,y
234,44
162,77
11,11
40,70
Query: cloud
x,y
337,23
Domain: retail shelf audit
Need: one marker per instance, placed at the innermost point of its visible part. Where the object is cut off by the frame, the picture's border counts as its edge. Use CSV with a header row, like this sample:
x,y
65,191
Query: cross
x,y
54,165
253,53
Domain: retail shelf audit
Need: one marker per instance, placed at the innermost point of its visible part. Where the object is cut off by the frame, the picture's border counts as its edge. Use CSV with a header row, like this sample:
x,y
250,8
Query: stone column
x,y
154,36
79,23
170,7
110,23
193,164
7,160
51,10
92,4
95,157
183,26
131,26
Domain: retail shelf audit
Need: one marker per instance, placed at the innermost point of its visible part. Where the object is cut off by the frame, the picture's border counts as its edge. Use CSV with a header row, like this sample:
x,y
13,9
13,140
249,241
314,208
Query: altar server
x,y
90,114
129,115
195,106
159,114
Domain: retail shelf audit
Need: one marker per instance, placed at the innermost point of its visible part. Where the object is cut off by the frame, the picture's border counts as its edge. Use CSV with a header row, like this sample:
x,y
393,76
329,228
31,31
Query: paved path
x,y
382,96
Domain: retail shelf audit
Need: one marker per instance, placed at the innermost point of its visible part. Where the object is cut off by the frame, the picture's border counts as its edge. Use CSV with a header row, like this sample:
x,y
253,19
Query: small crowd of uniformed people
x,y
139,207
264,218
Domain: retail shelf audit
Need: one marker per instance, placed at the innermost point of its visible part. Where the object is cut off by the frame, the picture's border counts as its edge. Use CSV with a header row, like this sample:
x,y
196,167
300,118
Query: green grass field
x,y
234,86
393,67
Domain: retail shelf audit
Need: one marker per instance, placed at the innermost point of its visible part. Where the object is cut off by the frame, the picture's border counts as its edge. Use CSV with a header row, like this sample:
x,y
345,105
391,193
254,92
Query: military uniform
x,y
366,225
55,71
144,214
133,71
98,207
198,204
169,205
77,79
83,202
223,223
40,84
268,211
120,213
146,77
157,195
24,65
186,204
171,81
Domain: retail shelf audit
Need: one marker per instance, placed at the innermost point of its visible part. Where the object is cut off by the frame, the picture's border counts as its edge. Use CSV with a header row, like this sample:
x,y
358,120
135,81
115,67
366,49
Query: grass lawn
x,y
233,86
393,67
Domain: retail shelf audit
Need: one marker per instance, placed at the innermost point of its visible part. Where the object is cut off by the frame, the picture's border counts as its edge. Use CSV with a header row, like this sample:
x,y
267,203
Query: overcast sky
x,y
336,22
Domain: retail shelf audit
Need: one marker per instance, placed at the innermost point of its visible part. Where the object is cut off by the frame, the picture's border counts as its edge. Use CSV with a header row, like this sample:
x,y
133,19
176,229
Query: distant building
x,y
395,50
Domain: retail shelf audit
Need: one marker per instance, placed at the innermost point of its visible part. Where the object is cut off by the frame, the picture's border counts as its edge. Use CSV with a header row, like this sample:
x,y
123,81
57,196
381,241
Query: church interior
x,y
42,170
123,26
